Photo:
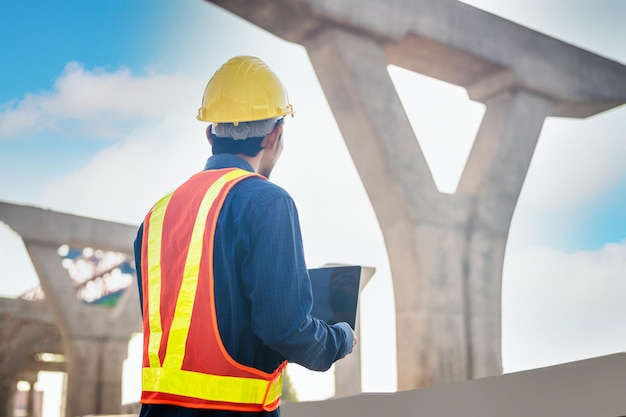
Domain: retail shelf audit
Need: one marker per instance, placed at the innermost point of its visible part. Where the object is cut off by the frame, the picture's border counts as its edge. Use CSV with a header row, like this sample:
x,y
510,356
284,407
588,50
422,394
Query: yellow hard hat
x,y
244,89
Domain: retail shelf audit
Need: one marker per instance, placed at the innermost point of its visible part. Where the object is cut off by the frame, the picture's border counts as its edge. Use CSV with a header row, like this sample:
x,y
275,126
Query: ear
x,y
208,134
271,140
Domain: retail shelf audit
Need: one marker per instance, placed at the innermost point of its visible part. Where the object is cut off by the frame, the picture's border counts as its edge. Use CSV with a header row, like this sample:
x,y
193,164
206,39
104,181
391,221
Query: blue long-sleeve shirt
x,y
262,289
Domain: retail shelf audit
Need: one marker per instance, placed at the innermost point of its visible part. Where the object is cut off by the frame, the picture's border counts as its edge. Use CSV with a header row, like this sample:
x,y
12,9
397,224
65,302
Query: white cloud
x,y
97,103
155,141
576,161
121,182
560,307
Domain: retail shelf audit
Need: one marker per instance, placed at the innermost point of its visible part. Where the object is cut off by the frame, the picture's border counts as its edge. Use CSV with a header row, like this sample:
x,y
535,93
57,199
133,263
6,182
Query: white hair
x,y
245,130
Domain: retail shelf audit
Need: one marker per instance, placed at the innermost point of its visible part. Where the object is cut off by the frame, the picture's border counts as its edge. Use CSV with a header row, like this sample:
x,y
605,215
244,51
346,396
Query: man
x,y
225,291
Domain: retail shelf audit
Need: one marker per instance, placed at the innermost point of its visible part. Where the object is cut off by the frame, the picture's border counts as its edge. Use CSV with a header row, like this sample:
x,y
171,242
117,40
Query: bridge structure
x,y
446,251
81,313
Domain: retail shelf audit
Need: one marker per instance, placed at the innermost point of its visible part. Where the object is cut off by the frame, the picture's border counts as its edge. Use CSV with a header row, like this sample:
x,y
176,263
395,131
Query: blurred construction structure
x,y
446,251
80,320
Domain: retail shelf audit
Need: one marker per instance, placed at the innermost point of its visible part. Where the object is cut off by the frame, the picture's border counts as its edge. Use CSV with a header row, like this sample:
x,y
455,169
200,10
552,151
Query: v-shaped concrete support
x,y
446,251
95,339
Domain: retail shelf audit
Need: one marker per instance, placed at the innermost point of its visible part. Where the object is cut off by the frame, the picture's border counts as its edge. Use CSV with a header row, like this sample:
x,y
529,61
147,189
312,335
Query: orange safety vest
x,y
184,360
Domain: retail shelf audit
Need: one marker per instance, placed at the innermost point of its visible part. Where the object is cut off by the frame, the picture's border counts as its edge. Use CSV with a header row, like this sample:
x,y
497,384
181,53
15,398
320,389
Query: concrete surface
x,y
590,388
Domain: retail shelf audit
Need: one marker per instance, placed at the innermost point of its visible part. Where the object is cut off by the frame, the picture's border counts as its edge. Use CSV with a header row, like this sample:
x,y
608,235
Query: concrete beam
x,y
32,365
21,339
35,311
53,228
457,43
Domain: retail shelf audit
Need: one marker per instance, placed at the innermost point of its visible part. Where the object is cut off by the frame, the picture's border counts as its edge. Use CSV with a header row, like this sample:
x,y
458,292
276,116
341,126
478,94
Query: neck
x,y
254,161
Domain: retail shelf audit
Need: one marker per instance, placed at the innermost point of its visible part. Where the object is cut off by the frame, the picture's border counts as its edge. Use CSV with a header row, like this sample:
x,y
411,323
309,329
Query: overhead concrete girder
x,y
446,251
457,43
36,311
95,339
35,224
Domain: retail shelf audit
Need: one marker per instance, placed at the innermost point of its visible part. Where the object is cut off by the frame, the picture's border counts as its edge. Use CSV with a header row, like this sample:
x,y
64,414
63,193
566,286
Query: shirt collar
x,y
226,160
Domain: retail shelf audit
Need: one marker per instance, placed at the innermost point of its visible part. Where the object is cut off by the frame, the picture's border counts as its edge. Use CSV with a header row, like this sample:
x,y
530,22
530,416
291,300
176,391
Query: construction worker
x,y
225,291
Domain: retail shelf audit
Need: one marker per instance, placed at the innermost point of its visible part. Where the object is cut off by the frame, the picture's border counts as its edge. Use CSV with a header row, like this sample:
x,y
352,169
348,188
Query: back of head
x,y
244,100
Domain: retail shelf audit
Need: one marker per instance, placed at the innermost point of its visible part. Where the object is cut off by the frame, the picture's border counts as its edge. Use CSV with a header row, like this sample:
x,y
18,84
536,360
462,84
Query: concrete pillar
x,y
9,365
94,372
493,177
7,386
115,351
95,338
446,251
31,378
21,336
7,391
353,73
77,330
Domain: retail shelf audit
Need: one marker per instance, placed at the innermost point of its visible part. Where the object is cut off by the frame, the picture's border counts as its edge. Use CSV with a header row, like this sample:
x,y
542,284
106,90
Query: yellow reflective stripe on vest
x,y
155,231
177,339
275,391
212,387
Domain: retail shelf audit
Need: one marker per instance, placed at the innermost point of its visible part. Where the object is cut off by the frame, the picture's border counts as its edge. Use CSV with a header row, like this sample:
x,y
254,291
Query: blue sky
x,y
97,117
39,38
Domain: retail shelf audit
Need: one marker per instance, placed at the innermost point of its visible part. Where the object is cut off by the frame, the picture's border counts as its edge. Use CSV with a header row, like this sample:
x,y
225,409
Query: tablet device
x,y
335,293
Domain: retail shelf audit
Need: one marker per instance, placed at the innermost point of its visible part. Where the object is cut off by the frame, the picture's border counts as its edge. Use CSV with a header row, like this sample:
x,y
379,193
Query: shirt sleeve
x,y
278,286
